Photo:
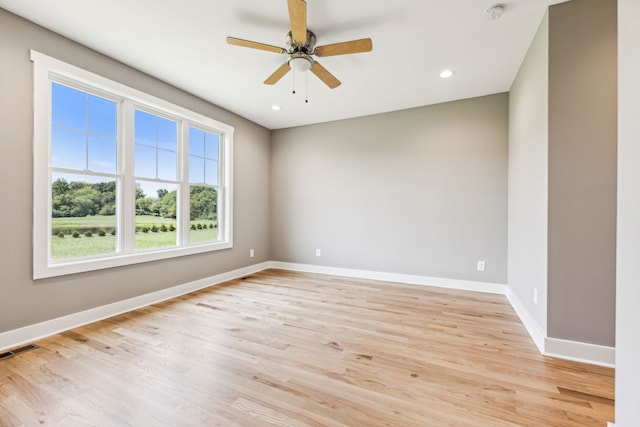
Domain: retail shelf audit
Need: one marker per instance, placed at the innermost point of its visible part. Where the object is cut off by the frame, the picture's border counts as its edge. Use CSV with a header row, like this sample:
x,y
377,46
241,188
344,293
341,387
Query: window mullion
x,y
222,183
127,203
184,191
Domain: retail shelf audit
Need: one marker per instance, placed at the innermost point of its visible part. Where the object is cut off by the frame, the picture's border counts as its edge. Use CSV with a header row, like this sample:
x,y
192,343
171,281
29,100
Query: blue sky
x,y
84,132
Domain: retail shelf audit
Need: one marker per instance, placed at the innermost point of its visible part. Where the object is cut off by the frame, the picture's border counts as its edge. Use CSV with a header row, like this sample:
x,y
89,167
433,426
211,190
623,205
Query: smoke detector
x,y
494,12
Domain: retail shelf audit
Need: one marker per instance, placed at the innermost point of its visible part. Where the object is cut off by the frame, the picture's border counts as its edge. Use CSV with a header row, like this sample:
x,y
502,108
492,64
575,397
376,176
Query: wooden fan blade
x,y
255,45
344,48
298,20
324,75
278,74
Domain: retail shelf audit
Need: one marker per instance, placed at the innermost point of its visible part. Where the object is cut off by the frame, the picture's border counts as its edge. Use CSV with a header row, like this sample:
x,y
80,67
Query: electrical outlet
x,y
481,265
251,253
318,252
535,296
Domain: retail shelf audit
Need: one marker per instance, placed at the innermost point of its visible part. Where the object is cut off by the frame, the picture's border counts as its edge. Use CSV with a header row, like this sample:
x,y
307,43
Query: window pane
x,y
212,146
102,116
203,214
145,162
156,210
167,165
83,216
80,122
102,154
156,147
211,172
196,142
196,169
145,128
68,149
68,107
167,134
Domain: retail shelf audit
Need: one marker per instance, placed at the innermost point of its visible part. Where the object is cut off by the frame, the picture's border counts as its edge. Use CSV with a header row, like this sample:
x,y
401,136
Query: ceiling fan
x,y
301,46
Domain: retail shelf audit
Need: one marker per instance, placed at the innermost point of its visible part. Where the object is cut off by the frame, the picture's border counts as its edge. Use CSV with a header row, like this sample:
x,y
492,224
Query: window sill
x,y
119,260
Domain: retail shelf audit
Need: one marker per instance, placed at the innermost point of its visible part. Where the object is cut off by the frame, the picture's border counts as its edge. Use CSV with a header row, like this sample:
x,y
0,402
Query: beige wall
x,y
628,256
582,171
528,170
23,301
420,191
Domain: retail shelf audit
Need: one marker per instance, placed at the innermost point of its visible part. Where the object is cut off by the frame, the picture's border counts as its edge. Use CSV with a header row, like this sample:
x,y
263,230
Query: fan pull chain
x,y
294,82
306,88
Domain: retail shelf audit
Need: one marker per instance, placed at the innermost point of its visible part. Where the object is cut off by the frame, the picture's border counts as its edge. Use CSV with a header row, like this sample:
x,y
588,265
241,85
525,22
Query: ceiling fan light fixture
x,y
300,63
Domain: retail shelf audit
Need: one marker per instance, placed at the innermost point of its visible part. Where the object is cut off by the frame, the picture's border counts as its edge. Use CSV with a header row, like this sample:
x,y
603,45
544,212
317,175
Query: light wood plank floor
x,y
291,349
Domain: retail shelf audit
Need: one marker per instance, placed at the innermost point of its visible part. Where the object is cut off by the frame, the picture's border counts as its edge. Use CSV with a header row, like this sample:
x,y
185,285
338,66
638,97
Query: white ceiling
x,y
183,43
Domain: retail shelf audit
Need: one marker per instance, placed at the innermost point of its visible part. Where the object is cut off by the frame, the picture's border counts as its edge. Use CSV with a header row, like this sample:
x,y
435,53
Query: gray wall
x,y
23,302
562,173
420,191
528,170
582,170
628,270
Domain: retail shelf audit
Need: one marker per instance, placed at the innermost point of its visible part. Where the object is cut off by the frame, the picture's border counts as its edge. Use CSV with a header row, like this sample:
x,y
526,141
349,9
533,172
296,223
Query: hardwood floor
x,y
291,349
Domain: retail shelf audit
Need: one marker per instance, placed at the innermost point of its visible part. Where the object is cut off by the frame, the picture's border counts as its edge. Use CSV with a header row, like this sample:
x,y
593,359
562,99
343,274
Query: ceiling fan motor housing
x,y
295,47
300,54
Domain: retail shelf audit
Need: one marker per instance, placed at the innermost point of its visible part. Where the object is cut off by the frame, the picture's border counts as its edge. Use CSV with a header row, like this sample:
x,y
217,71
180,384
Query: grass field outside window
x,y
65,245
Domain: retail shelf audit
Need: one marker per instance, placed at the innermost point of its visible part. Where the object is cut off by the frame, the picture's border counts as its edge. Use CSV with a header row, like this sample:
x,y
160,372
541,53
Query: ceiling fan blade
x,y
344,48
298,20
255,45
324,75
278,74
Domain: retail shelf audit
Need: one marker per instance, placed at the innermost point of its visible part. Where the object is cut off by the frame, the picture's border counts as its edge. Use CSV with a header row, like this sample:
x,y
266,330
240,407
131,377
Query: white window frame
x,y
47,69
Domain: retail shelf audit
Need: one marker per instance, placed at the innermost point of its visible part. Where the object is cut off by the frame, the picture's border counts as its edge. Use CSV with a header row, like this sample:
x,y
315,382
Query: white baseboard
x,y
558,348
27,334
467,285
580,352
531,325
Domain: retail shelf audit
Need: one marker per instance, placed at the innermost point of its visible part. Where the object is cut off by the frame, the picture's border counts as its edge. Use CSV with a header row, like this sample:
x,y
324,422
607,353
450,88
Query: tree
x,y
203,202
144,206
60,186
76,198
108,197
61,205
168,205
139,192
77,185
86,201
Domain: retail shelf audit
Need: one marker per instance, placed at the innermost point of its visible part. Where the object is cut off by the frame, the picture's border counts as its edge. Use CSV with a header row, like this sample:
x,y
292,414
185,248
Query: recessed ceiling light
x,y
445,74
275,107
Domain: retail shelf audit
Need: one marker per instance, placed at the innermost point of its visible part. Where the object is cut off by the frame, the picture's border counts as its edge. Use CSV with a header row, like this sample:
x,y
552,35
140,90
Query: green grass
x,y
70,247
85,221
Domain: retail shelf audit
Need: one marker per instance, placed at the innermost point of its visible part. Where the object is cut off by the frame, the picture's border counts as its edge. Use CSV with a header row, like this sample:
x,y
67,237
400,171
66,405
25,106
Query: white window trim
x,y
45,66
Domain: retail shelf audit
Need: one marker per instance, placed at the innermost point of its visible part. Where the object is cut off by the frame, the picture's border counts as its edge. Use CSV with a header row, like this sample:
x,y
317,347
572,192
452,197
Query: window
x,y
121,177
